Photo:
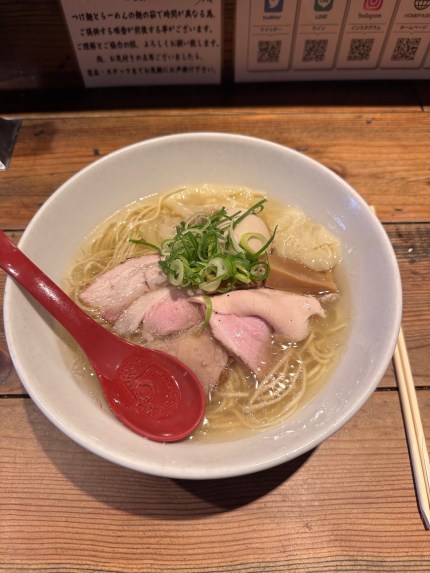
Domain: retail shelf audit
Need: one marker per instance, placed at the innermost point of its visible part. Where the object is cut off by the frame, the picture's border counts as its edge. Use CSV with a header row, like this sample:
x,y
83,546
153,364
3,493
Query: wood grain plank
x,y
411,243
378,154
346,506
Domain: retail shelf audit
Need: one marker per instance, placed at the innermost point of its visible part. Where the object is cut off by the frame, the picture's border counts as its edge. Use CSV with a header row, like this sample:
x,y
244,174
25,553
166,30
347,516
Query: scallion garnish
x,y
144,244
205,254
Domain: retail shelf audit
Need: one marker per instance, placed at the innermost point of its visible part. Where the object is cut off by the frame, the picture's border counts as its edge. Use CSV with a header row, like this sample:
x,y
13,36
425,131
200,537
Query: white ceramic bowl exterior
x,y
157,165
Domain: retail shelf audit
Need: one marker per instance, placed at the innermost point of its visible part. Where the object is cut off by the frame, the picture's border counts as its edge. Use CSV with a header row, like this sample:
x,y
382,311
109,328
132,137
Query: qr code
x,y
314,50
405,49
360,50
269,51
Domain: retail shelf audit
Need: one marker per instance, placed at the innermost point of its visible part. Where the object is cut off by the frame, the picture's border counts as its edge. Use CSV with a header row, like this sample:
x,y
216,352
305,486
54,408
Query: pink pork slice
x,y
247,337
160,312
200,352
118,287
287,313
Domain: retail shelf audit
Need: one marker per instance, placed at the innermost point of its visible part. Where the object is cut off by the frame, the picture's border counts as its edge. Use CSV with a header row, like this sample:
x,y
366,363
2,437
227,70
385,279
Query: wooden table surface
x,y
350,504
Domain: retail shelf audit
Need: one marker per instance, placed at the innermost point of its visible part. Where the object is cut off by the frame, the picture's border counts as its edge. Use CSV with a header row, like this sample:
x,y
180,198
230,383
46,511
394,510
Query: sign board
x,y
280,40
138,42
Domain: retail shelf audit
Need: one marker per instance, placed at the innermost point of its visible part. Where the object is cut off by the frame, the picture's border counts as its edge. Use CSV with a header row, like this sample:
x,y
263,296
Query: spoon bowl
x,y
151,392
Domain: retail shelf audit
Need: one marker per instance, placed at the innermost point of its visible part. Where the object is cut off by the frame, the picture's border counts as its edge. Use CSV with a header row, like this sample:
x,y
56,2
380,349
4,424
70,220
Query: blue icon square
x,y
273,6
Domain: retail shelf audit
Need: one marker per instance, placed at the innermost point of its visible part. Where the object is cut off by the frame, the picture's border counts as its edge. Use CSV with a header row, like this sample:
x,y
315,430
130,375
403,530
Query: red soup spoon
x,y
151,392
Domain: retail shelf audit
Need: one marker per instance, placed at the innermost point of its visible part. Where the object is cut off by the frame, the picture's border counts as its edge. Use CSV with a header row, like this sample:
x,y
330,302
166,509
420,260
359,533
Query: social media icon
x,y
421,4
372,4
273,5
323,5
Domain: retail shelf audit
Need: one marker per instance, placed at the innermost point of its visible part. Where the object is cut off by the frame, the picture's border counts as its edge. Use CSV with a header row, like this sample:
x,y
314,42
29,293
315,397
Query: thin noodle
x,y
243,400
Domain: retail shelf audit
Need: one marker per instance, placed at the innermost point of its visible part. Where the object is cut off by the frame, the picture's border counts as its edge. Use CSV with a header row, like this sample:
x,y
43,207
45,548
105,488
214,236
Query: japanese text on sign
x,y
137,42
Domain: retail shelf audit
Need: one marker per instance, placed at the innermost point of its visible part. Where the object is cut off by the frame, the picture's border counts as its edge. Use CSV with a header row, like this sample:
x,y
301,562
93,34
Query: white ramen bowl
x,y
157,165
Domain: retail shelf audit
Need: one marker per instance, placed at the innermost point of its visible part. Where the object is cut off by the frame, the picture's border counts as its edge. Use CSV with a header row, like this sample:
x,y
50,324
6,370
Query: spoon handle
x,y
48,294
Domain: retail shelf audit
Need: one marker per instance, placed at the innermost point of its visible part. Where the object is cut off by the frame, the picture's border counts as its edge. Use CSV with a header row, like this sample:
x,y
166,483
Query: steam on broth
x,y
293,371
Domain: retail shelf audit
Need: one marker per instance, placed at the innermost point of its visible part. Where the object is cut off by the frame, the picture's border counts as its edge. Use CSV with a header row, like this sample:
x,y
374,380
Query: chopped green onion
x,y
217,268
177,276
205,254
144,244
259,271
210,286
267,244
246,238
231,235
208,311
254,210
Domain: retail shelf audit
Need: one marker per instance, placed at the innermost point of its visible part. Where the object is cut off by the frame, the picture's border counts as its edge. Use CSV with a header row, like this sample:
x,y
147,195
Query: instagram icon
x,y
372,4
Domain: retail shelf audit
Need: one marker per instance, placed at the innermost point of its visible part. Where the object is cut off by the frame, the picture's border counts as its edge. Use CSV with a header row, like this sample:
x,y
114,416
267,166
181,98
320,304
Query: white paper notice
x,y
279,40
146,42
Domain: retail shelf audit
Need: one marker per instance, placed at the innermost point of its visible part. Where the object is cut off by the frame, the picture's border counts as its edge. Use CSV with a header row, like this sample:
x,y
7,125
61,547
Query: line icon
x,y
323,5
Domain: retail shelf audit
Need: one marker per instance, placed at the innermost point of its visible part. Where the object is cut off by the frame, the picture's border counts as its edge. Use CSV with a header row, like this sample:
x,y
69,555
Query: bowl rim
x,y
222,471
